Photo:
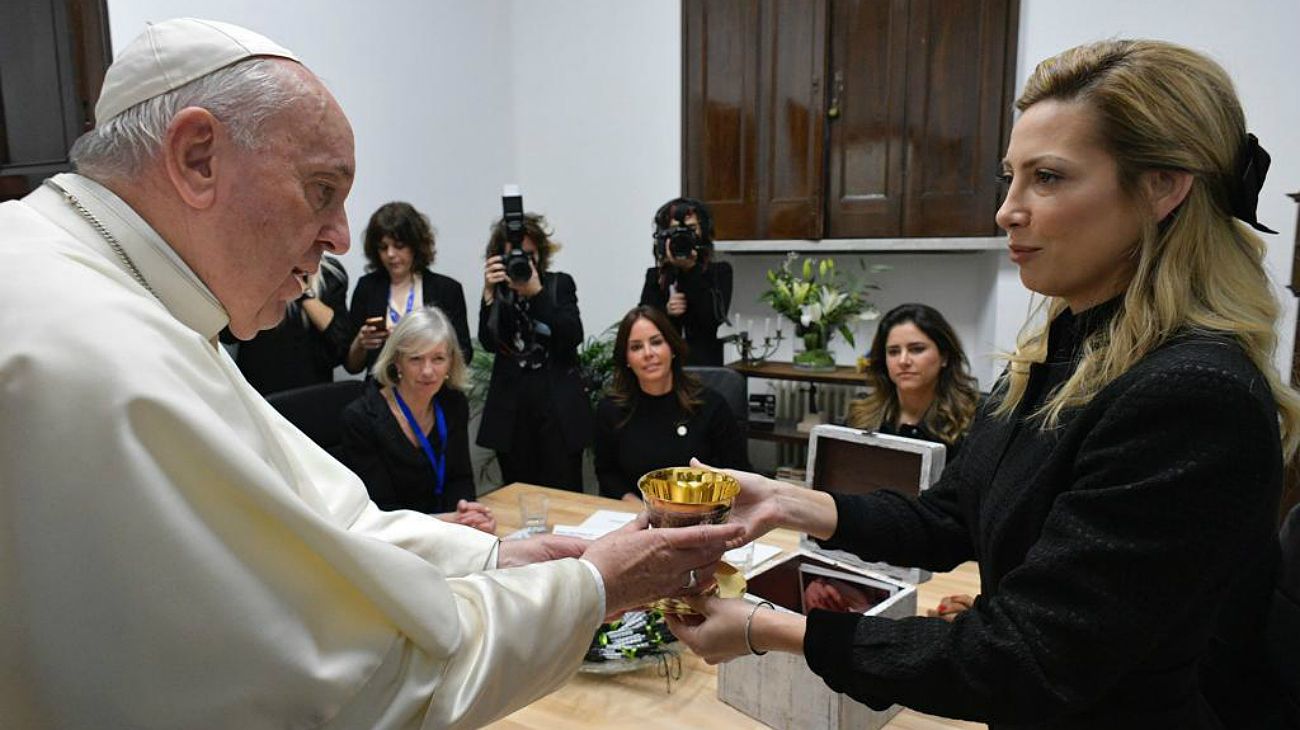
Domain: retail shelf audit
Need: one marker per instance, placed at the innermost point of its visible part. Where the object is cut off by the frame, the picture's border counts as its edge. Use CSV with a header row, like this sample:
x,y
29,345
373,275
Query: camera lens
x,y
681,241
518,265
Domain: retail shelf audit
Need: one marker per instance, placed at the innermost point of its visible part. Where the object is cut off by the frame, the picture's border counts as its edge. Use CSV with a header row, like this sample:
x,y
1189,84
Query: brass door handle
x,y
837,90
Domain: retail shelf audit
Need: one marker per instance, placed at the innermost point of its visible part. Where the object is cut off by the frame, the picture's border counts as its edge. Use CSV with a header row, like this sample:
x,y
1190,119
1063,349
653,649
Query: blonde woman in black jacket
x,y
1120,490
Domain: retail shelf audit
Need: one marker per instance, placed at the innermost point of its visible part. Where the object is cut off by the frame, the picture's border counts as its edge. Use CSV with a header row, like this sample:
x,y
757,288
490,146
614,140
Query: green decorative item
x,y
820,301
596,363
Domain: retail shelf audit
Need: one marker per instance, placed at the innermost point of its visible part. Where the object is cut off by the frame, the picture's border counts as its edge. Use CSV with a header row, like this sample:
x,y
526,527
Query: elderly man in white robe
x,y
173,553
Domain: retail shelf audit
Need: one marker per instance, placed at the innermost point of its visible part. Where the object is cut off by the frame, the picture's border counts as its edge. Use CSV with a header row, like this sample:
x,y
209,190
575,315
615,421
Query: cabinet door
x,y
865,117
53,54
752,122
791,126
720,111
959,56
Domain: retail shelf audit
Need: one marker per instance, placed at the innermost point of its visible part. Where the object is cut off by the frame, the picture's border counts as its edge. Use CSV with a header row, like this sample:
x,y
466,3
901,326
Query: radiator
x,y
792,405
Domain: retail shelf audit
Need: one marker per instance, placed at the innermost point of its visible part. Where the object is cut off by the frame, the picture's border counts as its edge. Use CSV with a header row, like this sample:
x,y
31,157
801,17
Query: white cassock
x,y
174,554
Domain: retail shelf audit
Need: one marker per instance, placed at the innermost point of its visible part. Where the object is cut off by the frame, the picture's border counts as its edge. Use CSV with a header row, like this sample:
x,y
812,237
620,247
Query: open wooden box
x,y
777,689
853,461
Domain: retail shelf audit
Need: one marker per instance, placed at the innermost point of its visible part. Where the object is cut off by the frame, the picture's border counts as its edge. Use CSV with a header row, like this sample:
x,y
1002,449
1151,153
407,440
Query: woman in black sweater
x,y
407,437
656,415
400,248
1120,489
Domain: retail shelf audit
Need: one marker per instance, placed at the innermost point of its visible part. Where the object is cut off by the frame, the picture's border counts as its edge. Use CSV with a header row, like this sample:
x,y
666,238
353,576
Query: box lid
x,y
853,461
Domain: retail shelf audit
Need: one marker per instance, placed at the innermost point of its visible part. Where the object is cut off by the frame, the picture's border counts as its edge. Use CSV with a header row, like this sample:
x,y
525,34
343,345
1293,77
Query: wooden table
x,y
638,699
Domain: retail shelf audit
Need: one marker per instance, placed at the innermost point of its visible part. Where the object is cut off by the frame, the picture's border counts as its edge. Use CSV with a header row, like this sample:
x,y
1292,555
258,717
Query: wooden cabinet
x,y
847,118
53,55
752,143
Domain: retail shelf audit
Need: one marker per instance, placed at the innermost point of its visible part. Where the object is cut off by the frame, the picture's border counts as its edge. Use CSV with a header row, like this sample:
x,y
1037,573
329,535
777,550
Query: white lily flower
x,y
831,299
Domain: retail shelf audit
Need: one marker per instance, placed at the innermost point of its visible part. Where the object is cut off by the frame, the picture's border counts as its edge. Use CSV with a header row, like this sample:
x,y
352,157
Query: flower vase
x,y
816,356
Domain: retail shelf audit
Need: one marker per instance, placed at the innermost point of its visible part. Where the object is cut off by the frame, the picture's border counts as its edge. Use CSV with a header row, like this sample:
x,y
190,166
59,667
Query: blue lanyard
x,y
410,302
440,460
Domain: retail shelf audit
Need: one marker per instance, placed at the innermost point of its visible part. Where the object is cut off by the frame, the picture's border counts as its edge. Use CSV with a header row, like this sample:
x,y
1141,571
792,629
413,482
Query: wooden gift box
x,y
778,689
853,461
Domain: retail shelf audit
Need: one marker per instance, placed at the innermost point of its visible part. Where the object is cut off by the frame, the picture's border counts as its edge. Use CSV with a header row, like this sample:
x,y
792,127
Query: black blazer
x,y
708,297
1126,557
370,299
397,473
557,306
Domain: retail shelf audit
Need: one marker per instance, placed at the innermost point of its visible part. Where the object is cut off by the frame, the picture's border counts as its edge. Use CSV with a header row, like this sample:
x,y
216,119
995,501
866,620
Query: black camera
x,y
519,265
682,240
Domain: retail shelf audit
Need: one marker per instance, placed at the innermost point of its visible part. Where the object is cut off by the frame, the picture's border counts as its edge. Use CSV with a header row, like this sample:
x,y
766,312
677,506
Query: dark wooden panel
x,y
34,64
865,117
793,60
719,128
53,54
956,71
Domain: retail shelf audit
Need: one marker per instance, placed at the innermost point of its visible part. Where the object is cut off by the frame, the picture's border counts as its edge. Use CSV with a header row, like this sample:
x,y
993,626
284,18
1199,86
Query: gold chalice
x,y
681,496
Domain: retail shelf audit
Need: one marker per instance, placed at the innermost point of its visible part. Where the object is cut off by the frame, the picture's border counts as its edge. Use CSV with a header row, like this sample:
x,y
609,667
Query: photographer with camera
x,y
536,417
686,283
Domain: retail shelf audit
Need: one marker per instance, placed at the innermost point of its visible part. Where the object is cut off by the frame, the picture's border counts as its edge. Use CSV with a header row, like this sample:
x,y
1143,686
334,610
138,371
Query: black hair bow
x,y
1243,190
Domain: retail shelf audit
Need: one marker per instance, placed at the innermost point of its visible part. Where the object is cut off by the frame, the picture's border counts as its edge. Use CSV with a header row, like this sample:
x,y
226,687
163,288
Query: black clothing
x,y
1126,556
542,405
370,299
538,453
919,431
708,298
653,438
295,354
397,473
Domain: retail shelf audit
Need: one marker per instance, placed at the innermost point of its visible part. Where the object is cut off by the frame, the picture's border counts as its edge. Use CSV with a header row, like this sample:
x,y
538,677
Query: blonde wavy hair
x,y
1160,106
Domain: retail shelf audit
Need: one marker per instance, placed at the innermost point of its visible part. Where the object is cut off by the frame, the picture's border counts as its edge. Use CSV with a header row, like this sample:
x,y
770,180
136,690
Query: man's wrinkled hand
x,y
641,565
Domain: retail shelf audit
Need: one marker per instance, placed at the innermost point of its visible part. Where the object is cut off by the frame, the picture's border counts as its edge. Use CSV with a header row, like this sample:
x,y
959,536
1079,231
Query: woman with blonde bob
x,y
1120,489
407,436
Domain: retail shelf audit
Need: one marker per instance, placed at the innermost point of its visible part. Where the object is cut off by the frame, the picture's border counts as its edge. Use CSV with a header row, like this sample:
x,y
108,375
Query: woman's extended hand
x,y
766,504
756,506
717,632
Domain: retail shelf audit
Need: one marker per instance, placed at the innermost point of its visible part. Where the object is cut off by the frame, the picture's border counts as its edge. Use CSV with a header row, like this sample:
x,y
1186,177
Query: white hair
x,y
243,96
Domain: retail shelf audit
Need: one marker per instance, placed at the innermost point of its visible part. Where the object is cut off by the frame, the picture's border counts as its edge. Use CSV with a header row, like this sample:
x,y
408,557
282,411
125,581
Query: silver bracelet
x,y
749,625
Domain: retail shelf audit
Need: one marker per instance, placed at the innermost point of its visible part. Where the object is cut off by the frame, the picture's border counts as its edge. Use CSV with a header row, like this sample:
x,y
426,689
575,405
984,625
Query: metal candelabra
x,y
753,353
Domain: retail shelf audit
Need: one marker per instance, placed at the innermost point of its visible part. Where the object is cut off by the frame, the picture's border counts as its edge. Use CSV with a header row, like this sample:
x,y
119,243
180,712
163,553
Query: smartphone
x,y
377,322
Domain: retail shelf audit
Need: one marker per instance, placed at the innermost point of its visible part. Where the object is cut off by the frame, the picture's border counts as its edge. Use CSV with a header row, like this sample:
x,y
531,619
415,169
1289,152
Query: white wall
x,y
579,101
598,129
